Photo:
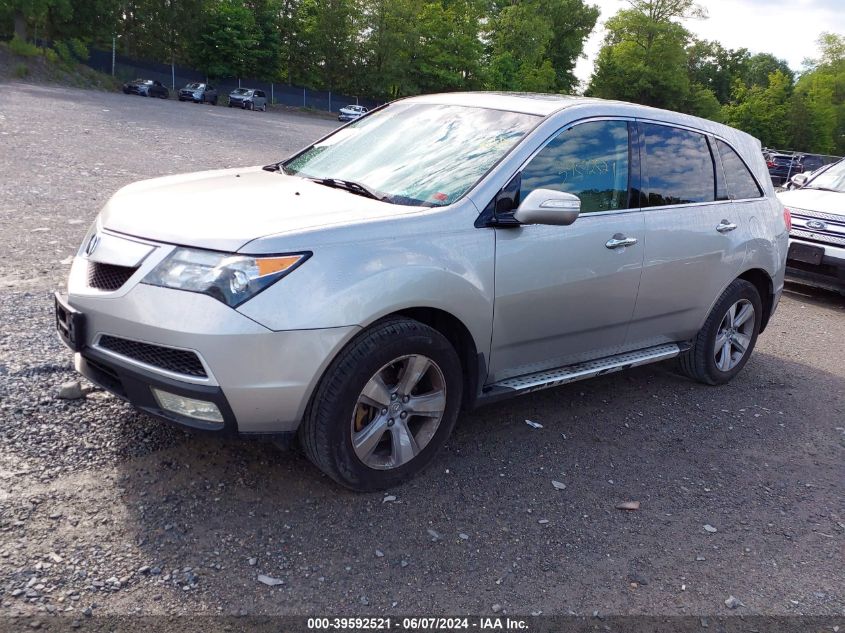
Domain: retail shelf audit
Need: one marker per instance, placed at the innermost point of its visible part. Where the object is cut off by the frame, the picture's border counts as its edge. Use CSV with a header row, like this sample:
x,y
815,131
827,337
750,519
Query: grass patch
x,y
21,71
23,48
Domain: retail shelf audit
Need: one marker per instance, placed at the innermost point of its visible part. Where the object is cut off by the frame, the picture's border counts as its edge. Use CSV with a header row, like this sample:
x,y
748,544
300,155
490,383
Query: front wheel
x,y
727,338
385,405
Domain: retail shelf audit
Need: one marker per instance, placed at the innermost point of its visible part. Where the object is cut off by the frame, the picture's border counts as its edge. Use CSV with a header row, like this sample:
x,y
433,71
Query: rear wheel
x,y
385,406
725,342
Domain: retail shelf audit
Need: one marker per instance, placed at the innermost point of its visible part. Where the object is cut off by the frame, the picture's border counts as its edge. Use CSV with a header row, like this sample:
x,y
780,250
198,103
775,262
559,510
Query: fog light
x,y
189,407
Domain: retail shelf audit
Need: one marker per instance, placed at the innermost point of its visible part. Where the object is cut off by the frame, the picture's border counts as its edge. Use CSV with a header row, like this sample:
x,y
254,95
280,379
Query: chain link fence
x,y
175,76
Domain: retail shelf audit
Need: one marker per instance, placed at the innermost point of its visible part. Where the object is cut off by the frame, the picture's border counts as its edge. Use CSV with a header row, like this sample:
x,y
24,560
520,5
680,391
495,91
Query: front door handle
x,y
620,241
725,226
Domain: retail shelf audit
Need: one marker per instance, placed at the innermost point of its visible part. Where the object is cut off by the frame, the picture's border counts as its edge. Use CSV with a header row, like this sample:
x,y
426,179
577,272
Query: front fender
x,y
356,284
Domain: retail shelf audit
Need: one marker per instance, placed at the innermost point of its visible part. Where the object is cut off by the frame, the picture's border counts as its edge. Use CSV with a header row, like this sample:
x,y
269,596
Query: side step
x,y
580,371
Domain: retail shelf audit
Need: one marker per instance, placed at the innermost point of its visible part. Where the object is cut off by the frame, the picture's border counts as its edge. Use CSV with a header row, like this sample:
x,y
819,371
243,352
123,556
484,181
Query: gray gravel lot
x,y
103,510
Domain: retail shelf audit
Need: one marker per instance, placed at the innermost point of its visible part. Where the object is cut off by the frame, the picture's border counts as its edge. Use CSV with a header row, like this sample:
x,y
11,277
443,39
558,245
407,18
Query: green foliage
x,y
226,46
643,61
762,112
21,70
64,53
50,55
534,44
23,48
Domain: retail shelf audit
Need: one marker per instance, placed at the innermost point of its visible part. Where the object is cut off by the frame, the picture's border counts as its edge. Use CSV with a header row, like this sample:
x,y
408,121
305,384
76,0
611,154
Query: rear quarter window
x,y
741,183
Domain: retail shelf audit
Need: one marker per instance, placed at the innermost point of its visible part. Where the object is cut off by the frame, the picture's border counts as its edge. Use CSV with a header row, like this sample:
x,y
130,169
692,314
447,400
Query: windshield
x,y
413,153
832,178
240,91
194,86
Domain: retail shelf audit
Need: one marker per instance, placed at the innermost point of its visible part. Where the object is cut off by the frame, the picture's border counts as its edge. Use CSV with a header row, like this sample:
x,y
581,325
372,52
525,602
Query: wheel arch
x,y
473,363
761,280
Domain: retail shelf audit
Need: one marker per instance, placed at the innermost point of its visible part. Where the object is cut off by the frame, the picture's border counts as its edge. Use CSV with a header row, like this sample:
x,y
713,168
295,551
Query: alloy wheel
x,y
398,412
734,335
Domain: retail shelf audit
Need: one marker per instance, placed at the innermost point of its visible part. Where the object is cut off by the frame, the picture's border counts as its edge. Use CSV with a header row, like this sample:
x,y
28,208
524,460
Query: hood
x,y
224,210
814,200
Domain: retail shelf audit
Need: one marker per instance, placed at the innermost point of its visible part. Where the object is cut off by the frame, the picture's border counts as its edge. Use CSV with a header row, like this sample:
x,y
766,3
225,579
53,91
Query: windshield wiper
x,y
352,187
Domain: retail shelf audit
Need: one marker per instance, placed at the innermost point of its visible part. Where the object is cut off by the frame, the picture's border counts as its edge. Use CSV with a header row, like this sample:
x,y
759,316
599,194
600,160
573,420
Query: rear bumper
x,y
260,380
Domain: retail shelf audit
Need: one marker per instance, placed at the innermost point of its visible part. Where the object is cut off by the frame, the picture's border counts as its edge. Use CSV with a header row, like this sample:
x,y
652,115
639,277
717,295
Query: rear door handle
x,y
620,241
725,226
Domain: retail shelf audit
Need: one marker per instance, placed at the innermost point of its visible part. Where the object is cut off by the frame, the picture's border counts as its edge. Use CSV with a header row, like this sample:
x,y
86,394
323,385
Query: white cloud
x,y
786,28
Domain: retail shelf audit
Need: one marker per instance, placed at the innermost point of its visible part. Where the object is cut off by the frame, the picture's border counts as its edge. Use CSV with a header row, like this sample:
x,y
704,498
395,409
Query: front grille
x,y
178,361
108,276
817,236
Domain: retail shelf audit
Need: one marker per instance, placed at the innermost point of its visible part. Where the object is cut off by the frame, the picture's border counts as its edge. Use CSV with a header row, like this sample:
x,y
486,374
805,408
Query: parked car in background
x,y
351,112
812,162
199,93
347,293
782,167
817,237
248,99
146,88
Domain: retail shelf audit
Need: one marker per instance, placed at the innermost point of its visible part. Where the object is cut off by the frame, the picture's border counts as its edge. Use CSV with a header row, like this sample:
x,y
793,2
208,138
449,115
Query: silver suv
x,y
439,253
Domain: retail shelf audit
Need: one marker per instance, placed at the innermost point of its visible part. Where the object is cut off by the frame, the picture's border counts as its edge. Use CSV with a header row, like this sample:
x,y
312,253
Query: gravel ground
x,y
105,511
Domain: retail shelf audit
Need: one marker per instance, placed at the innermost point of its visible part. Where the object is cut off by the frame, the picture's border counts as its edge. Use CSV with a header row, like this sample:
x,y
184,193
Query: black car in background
x,y
146,88
199,93
783,166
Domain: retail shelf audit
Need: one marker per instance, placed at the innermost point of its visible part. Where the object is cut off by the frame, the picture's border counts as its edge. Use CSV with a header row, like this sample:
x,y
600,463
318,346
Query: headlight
x,y
229,278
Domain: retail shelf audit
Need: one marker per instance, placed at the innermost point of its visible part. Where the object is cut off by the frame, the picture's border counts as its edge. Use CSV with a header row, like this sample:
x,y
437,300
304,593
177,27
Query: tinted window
x,y
741,183
679,165
259,93
589,160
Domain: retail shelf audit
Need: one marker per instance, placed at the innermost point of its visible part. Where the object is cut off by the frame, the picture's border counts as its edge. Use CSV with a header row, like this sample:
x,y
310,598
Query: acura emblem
x,y
92,244
817,225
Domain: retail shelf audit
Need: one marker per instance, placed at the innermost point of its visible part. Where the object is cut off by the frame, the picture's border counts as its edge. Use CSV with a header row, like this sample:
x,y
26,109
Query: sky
x,y
786,28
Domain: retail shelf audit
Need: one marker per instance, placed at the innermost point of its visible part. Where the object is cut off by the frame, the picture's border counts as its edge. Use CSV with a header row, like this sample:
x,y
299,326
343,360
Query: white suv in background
x,y
817,238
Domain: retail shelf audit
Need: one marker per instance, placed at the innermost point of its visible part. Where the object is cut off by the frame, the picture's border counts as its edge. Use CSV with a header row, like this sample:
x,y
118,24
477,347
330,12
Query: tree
x,y
762,112
760,66
227,44
715,67
643,59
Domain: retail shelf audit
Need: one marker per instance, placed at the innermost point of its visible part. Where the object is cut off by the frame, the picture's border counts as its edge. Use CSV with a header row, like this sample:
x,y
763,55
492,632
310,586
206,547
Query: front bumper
x,y
260,380
828,272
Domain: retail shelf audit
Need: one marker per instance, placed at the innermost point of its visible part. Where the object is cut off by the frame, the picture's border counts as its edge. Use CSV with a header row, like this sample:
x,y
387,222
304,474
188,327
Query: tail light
x,y
770,163
787,218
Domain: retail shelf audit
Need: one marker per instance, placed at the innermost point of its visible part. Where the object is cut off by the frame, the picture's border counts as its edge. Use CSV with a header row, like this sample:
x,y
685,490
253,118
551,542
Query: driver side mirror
x,y
799,180
547,206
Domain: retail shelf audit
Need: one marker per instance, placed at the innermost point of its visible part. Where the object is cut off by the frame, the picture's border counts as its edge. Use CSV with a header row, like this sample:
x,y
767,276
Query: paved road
x,y
110,511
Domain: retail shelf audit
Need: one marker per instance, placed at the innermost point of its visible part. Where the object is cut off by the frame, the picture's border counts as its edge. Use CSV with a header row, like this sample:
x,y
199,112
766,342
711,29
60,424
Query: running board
x,y
580,371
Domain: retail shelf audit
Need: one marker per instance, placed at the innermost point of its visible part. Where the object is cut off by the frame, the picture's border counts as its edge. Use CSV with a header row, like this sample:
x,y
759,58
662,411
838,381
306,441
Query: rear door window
x,y
741,183
678,165
589,160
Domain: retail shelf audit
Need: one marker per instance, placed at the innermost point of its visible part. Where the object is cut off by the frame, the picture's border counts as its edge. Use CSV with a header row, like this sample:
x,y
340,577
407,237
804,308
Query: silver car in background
x,y
248,99
444,252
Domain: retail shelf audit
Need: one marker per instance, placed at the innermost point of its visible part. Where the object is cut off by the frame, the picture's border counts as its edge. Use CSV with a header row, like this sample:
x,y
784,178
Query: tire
x,y
705,363
386,350
264,108
214,101
230,104
249,105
